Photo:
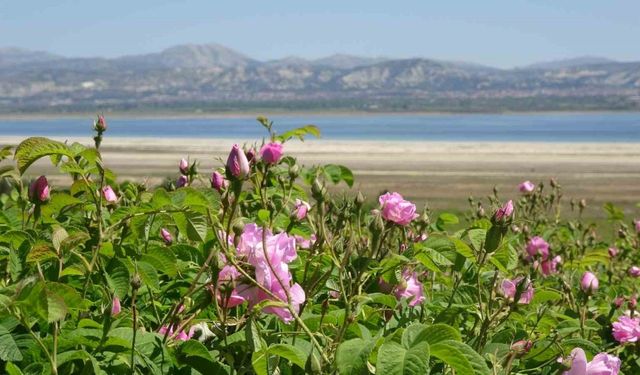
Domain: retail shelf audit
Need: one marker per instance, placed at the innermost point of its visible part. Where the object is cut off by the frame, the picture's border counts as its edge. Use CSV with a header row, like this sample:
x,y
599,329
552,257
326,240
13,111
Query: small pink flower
x,y
108,194
510,288
410,288
613,251
618,301
237,163
396,209
537,246
601,364
180,336
305,243
626,329
589,282
271,152
226,280
522,346
218,182
634,271
633,302
39,190
166,236
637,225
183,166
526,187
300,209
550,266
115,306
505,212
100,124
182,181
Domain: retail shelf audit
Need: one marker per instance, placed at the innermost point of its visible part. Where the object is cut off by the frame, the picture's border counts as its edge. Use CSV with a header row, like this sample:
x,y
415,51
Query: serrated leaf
x,y
293,354
9,350
34,148
460,356
149,275
118,278
41,252
394,359
431,334
352,356
162,259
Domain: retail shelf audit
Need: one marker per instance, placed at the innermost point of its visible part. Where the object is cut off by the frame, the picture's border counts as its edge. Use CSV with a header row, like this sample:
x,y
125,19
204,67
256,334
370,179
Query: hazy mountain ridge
x,y
199,75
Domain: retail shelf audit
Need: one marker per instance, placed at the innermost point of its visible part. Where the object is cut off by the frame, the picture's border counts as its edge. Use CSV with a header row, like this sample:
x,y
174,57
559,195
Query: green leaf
x,y
394,359
352,356
299,133
293,354
194,354
56,308
9,350
162,259
34,148
12,369
460,356
41,252
613,213
118,278
149,275
432,334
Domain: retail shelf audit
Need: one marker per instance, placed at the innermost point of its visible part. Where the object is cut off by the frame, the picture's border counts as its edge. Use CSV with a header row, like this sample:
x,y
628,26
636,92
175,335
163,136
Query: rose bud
x,y
184,166
100,124
251,155
166,236
108,194
521,347
237,163
613,251
589,283
271,152
634,271
637,225
633,302
504,213
115,306
618,301
182,181
39,190
218,182
301,208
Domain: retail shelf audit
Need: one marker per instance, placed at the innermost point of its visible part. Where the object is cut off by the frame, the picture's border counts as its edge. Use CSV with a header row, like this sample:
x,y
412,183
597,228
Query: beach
x,y
441,174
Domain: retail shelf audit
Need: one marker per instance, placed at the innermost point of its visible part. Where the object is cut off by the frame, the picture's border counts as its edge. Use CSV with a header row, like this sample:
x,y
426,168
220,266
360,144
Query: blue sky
x,y
502,33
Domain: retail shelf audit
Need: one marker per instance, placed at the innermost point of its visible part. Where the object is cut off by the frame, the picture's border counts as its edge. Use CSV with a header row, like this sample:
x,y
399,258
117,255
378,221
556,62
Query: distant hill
x,y
215,78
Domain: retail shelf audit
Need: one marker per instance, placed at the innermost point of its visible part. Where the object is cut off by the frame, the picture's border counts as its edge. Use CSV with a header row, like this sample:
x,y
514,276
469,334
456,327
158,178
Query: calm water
x,y
605,127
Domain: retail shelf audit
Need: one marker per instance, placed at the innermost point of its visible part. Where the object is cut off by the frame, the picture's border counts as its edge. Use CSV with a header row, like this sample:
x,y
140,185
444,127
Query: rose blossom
x,y
538,246
271,152
626,329
550,266
634,271
613,251
601,364
396,209
410,288
510,287
504,212
181,336
166,236
526,187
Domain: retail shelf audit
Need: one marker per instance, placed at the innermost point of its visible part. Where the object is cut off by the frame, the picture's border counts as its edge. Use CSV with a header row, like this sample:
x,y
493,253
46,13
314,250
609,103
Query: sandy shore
x,y
443,174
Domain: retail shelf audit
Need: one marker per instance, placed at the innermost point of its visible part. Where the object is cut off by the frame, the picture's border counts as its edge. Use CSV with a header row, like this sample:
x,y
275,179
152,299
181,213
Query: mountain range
x,y
208,78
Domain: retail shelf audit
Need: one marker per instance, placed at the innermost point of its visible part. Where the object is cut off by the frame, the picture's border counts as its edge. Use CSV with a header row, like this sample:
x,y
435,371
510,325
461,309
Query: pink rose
x,y
410,288
537,246
505,212
396,209
183,166
166,236
613,251
218,182
601,364
237,163
550,266
271,152
510,288
626,329
526,187
634,271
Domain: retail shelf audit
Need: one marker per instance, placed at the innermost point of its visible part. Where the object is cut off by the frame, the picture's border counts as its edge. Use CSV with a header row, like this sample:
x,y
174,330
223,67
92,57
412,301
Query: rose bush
x,y
256,268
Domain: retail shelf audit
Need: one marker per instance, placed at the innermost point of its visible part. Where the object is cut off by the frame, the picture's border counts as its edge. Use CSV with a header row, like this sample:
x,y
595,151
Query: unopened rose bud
x,y
136,282
521,347
251,155
182,181
115,306
100,124
318,190
633,302
184,166
618,302
39,190
238,227
589,283
613,251
359,199
504,213
480,212
294,171
526,187
300,209
634,271
166,236
218,182
582,204
108,194
237,163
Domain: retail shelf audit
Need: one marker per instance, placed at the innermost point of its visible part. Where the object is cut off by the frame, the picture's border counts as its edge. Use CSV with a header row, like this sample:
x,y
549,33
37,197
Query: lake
x,y
547,127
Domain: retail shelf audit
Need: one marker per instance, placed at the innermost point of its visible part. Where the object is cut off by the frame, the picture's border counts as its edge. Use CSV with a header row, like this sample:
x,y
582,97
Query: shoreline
x,y
152,115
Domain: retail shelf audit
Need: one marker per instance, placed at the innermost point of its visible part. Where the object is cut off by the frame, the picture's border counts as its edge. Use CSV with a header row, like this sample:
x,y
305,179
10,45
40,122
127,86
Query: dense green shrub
x,y
258,269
